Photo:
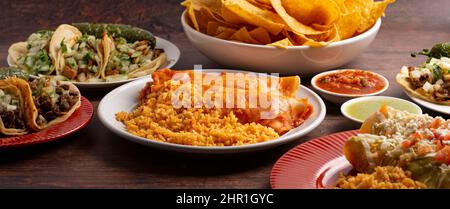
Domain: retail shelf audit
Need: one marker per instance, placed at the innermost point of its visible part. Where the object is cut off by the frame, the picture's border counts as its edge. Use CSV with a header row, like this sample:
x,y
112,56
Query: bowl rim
x,y
373,30
370,98
314,85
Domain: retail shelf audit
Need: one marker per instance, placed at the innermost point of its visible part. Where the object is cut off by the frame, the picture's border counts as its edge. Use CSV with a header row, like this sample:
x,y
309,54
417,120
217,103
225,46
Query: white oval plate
x,y
171,50
432,106
124,98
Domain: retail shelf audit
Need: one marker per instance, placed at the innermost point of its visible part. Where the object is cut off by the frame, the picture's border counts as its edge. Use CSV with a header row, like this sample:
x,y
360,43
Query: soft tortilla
x,y
109,46
11,85
149,68
33,111
402,79
64,33
15,51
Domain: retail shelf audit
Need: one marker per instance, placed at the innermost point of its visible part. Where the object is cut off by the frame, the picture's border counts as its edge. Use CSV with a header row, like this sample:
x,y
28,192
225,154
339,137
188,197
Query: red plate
x,y
79,119
312,165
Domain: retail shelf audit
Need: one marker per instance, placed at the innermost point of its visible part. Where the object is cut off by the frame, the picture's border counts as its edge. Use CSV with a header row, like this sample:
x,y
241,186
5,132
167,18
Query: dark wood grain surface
x,y
96,158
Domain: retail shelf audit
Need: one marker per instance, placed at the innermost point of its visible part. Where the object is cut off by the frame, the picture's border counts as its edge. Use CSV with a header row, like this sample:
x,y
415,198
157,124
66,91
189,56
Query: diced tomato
x,y
439,145
69,72
416,136
424,149
436,135
447,137
407,144
385,110
443,155
435,123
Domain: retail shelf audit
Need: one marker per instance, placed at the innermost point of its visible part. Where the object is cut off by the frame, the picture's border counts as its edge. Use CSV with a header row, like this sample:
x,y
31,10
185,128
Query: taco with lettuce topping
x,y
84,60
34,55
89,52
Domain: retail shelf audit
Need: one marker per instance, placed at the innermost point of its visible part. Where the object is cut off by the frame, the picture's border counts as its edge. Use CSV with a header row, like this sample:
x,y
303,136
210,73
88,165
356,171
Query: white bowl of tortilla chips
x,y
260,35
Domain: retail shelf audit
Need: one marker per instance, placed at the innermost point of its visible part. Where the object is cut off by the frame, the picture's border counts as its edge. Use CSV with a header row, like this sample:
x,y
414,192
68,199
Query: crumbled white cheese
x,y
415,74
428,87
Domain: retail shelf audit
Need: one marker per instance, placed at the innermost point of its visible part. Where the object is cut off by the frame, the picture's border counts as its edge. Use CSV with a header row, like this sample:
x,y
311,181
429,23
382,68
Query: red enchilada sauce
x,y
351,82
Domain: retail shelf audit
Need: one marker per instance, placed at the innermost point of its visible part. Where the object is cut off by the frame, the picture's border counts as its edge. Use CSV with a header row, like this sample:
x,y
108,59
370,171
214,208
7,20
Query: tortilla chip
x,y
368,10
284,44
243,12
212,5
193,18
291,22
314,23
376,12
243,35
261,4
341,5
225,32
348,25
322,12
321,27
211,28
261,35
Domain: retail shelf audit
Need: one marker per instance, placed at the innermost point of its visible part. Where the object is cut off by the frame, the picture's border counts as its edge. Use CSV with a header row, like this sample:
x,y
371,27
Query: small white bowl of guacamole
x,y
359,109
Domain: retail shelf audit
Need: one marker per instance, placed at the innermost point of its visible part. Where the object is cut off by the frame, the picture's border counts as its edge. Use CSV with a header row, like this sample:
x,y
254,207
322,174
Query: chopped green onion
x,y
88,56
136,54
63,46
437,73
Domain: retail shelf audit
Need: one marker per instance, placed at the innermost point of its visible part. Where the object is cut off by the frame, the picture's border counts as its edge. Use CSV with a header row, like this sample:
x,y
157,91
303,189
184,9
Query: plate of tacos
x,y
93,55
393,149
38,109
429,83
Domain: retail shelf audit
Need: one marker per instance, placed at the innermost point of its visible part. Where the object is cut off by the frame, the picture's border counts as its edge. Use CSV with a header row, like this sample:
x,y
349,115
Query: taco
x,y
129,52
80,56
53,102
430,81
12,107
33,55
89,52
417,143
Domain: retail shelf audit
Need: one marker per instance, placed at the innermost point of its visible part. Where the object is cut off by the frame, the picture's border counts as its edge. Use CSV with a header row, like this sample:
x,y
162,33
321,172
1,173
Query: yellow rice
x,y
387,177
157,119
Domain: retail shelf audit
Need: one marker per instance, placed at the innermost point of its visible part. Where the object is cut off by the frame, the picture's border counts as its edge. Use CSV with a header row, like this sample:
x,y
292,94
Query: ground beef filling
x,y
49,110
12,118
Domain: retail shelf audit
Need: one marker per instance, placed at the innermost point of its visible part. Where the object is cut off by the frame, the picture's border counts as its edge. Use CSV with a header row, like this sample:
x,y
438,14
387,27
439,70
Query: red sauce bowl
x,y
339,86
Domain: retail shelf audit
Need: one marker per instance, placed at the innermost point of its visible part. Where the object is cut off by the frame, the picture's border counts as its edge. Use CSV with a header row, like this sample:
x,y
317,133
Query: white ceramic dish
x,y
124,98
298,60
172,53
341,98
384,99
432,106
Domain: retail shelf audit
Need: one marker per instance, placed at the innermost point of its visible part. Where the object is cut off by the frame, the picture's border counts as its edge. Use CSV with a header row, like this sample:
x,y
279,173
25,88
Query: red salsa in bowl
x,y
338,86
354,82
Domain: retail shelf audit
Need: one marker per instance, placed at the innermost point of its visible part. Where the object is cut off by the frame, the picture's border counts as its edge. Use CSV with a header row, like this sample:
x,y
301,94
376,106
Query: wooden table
x,y
96,158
